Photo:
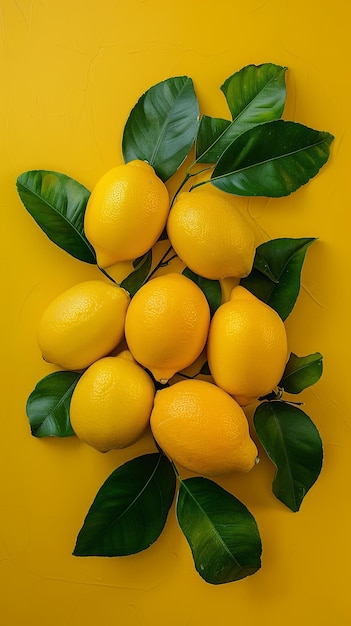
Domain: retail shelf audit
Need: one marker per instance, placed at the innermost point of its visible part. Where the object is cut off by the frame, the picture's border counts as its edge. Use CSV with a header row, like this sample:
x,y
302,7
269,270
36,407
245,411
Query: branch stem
x,y
108,276
162,262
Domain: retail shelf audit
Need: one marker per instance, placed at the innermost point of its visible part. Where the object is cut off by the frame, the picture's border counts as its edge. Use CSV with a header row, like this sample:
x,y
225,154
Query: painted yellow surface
x,y
71,70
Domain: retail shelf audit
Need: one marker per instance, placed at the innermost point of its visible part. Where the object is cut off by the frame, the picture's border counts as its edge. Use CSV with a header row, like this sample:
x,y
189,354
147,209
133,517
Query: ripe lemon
x,y
112,402
247,347
126,213
201,427
210,236
83,324
167,324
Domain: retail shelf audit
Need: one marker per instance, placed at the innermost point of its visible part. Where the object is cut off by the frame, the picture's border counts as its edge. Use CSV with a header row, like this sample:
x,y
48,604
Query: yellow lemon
x,y
247,347
83,324
210,236
167,324
112,402
126,213
202,428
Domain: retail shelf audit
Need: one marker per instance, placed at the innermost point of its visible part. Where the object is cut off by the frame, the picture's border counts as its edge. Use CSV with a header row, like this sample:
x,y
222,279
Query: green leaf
x,y
211,289
205,370
276,274
162,126
301,372
272,159
222,533
48,405
137,277
130,509
261,263
57,203
255,94
210,140
293,444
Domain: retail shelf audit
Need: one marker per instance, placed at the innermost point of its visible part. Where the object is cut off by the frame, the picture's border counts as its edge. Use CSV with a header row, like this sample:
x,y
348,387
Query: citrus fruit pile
x,y
192,338
167,326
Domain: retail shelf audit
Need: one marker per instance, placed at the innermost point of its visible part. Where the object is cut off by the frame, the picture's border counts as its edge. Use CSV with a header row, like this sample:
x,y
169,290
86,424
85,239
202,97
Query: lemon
x,y
167,324
202,428
83,324
126,213
247,347
210,236
112,402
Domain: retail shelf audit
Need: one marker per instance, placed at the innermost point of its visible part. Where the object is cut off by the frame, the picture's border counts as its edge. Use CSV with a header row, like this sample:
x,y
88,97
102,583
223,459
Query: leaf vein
x,y
116,519
164,129
269,160
226,549
57,212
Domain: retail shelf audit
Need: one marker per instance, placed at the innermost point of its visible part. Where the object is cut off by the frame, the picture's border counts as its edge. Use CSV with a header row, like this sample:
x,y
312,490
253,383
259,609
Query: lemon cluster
x,y
166,326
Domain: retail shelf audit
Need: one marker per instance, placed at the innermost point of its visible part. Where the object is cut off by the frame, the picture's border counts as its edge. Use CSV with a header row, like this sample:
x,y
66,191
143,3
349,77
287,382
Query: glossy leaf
x,y
57,203
48,405
276,274
293,444
211,289
130,509
301,372
162,126
255,94
137,277
211,139
261,264
272,159
221,532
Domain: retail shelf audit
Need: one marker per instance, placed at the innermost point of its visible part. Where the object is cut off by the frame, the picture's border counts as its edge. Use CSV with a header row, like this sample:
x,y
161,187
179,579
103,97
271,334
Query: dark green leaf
x,y
210,138
272,159
261,264
222,533
255,94
211,289
293,444
130,509
136,278
163,235
162,126
57,203
301,372
276,274
48,405
205,370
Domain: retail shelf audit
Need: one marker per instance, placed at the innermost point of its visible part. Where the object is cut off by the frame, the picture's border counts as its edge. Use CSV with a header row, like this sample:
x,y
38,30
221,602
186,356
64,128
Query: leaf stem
x,y
108,276
205,169
186,178
273,395
203,182
176,470
174,256
277,396
162,262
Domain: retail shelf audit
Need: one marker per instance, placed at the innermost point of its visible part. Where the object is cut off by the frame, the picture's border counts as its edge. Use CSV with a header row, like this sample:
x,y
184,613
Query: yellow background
x,y
71,70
